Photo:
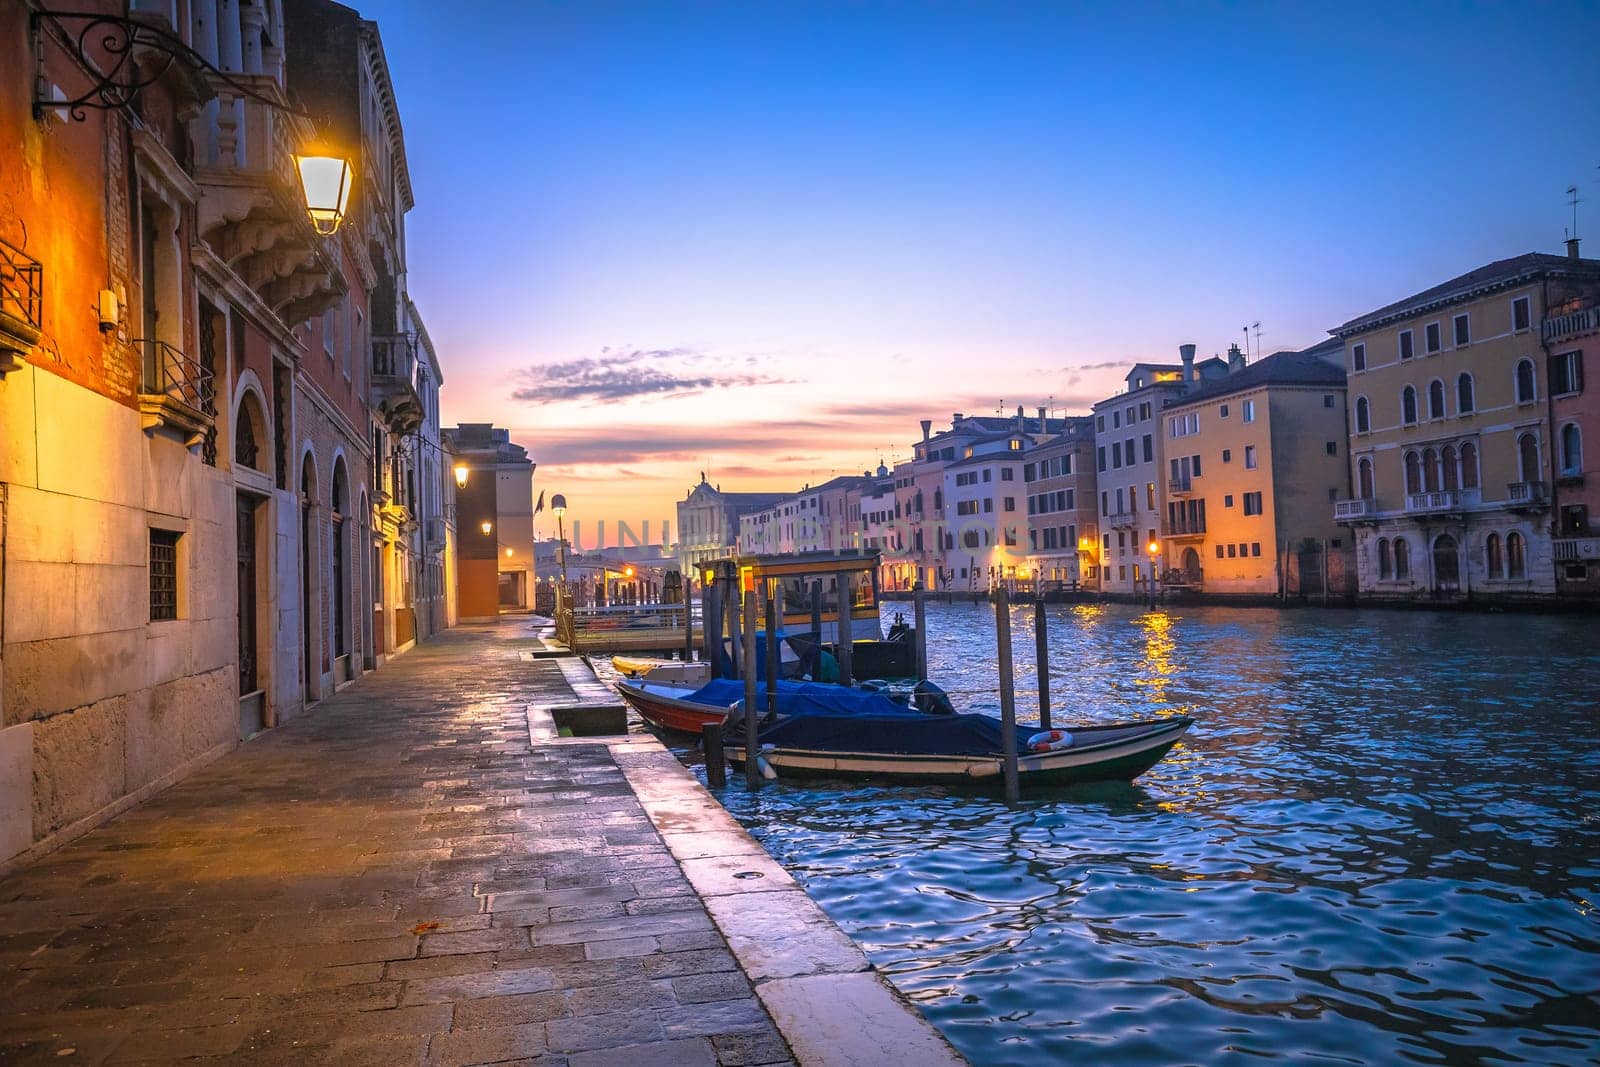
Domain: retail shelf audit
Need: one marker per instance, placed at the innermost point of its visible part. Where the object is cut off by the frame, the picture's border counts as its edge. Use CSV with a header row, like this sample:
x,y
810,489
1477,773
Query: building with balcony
x,y
1571,332
1063,525
1254,462
1129,465
496,569
1453,452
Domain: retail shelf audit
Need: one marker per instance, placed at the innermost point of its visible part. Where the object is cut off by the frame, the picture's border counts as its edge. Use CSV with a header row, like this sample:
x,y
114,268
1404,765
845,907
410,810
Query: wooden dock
x,y
626,628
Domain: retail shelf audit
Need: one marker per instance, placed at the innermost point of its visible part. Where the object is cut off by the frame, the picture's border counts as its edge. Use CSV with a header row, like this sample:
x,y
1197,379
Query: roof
x,y
1501,274
1309,368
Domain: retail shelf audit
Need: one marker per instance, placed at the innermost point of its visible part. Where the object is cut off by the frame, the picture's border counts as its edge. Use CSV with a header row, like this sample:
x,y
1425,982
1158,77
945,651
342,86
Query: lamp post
x,y
558,504
1153,548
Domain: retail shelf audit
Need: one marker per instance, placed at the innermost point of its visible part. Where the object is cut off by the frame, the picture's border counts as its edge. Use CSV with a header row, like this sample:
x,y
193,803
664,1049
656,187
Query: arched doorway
x,y
339,557
1446,565
310,607
1191,564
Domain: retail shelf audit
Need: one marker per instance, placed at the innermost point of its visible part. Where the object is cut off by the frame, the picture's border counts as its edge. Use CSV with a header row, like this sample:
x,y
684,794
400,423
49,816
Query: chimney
x,y
1187,354
1572,248
1043,422
1019,418
927,425
955,420
1235,359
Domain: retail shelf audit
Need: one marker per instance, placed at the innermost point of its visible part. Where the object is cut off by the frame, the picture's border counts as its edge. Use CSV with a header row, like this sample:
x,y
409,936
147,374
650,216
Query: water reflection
x,y
1376,846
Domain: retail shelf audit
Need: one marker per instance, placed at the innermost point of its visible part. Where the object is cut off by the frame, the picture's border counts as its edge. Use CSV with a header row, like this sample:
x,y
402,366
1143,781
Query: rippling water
x,y
1380,843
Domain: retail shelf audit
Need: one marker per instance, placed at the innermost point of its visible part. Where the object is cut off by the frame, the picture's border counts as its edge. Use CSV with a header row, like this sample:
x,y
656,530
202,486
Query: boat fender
x,y
767,770
1049,741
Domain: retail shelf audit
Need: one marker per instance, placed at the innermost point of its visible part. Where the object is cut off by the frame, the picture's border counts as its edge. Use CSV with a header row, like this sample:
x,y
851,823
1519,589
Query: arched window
x,y
1493,560
1436,399
1525,382
1385,560
1447,463
1465,401
1516,556
1402,559
1413,473
1571,449
1528,457
1363,415
1430,470
1469,465
1408,405
1364,476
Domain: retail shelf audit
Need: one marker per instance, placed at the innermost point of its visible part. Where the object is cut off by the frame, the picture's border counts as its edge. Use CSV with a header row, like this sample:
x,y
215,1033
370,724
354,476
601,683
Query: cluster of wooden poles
x,y
716,607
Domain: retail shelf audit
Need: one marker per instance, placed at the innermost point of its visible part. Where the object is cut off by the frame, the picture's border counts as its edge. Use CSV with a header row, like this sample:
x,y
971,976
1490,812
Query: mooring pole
x,y
772,648
752,773
735,630
711,627
688,620
846,646
919,617
816,629
716,759
1041,637
1008,695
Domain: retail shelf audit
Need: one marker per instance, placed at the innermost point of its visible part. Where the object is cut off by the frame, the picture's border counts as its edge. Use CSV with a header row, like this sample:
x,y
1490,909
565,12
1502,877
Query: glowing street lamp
x,y
325,182
461,472
487,527
558,504
1153,548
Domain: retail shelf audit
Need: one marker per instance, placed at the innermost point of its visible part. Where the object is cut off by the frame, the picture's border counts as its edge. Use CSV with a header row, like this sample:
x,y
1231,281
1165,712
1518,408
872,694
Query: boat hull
x,y
1122,759
665,707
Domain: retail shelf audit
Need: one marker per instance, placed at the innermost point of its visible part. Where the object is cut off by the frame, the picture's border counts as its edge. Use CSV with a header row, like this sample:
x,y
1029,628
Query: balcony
x,y
1579,322
173,393
21,305
1179,486
1527,495
1577,549
1183,531
1433,501
1122,520
1348,511
394,382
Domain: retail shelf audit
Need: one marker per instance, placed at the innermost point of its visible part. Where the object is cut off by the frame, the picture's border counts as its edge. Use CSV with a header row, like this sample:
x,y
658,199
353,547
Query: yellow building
x,y
1253,462
1449,434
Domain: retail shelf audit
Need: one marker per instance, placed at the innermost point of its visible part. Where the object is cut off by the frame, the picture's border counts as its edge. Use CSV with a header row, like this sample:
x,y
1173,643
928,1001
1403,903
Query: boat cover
x,y
795,698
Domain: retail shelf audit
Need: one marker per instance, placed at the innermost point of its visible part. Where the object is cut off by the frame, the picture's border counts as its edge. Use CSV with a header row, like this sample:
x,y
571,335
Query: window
x,y
1516,556
1465,401
1227,455
1195,464
1100,458
1363,415
1526,393
1402,559
1255,548
1385,560
1408,406
1430,338
1248,410
1249,457
1406,350
1521,314
1430,470
1010,503
1149,448
1358,357
163,574
1116,454
1566,373
1332,448
1252,503
1469,465
1571,449
1233,551
1007,474
1436,399
1144,411
1100,424
1027,472
1127,452
1227,500
1327,400
1447,462
1150,498
1494,559
1219,552
1222,412
1528,457
330,331
1462,330
1364,479
987,475
1015,445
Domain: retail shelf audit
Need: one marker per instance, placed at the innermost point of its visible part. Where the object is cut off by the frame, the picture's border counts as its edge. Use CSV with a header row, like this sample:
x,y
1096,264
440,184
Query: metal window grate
x,y
163,575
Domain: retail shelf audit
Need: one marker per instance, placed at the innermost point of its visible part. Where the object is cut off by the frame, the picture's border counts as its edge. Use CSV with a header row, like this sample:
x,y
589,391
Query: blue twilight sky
x,y
768,238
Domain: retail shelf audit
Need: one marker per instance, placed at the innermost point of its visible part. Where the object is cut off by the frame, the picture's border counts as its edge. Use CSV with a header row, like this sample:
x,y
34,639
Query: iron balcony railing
x,y
21,286
1585,321
395,356
1179,484
1122,519
170,373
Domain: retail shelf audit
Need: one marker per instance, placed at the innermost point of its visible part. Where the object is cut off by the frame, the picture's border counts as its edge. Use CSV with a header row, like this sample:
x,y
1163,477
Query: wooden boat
x,y
1117,752
668,671
666,705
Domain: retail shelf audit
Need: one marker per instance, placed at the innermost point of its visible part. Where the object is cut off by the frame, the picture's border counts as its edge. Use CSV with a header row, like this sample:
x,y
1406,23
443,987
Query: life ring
x,y
1049,741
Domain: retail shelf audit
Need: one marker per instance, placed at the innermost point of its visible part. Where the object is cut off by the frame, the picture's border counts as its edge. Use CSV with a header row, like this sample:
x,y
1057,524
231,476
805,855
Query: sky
x,y
763,240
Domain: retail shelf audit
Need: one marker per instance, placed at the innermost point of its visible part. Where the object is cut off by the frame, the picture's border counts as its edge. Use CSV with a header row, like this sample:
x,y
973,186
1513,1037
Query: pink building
x,y
1572,331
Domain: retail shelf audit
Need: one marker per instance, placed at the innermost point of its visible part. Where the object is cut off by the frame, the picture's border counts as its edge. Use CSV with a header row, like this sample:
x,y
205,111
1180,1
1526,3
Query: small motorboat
x,y
665,671
689,708
857,734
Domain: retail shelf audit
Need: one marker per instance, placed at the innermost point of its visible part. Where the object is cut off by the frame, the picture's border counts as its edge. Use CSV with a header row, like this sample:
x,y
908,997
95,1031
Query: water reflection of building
x,y
1454,459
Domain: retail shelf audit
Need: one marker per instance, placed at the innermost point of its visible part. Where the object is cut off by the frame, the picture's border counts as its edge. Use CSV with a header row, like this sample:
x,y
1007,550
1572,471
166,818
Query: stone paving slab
x,y
399,876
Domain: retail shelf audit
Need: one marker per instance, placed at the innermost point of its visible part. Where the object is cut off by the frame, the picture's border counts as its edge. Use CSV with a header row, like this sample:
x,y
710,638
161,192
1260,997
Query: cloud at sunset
x,y
663,373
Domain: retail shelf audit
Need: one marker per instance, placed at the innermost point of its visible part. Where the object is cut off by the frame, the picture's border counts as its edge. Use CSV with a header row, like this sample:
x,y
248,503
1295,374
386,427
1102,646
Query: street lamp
x,y
487,527
325,183
558,504
1153,548
461,473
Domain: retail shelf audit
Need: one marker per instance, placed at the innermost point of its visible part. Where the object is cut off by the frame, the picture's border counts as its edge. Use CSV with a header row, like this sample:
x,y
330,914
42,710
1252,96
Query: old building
x,y
1254,460
708,522
1451,443
495,564
1058,476
1570,333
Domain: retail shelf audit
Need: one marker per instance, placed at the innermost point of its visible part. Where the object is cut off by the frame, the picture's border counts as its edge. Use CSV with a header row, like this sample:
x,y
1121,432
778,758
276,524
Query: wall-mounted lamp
x,y
462,472
487,527
325,182
508,552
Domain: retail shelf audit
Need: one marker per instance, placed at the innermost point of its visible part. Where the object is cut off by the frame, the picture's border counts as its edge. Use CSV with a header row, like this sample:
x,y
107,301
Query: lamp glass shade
x,y
461,473
325,182
486,526
558,504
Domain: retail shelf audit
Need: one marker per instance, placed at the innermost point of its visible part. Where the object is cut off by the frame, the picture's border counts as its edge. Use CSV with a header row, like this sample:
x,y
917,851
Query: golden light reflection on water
x,y
1159,669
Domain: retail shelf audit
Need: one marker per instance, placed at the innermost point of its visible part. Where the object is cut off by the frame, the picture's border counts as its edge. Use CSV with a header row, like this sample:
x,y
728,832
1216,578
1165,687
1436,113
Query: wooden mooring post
x,y
919,620
774,613
816,629
688,620
711,627
1008,694
846,643
1041,644
716,759
752,773
735,636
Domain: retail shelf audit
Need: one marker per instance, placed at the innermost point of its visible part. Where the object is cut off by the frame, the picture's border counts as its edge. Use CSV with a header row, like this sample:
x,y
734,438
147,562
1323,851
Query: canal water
x,y
1380,843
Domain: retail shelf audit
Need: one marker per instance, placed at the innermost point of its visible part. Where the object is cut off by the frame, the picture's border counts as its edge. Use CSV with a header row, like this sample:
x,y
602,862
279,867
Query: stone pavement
x,y
396,877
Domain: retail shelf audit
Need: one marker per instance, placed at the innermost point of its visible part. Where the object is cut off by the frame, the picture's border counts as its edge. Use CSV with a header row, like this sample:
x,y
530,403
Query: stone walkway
x,y
396,877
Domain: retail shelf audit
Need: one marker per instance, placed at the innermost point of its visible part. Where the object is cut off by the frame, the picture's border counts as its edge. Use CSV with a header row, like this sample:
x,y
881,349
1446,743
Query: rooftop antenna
x,y
1572,193
1256,326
